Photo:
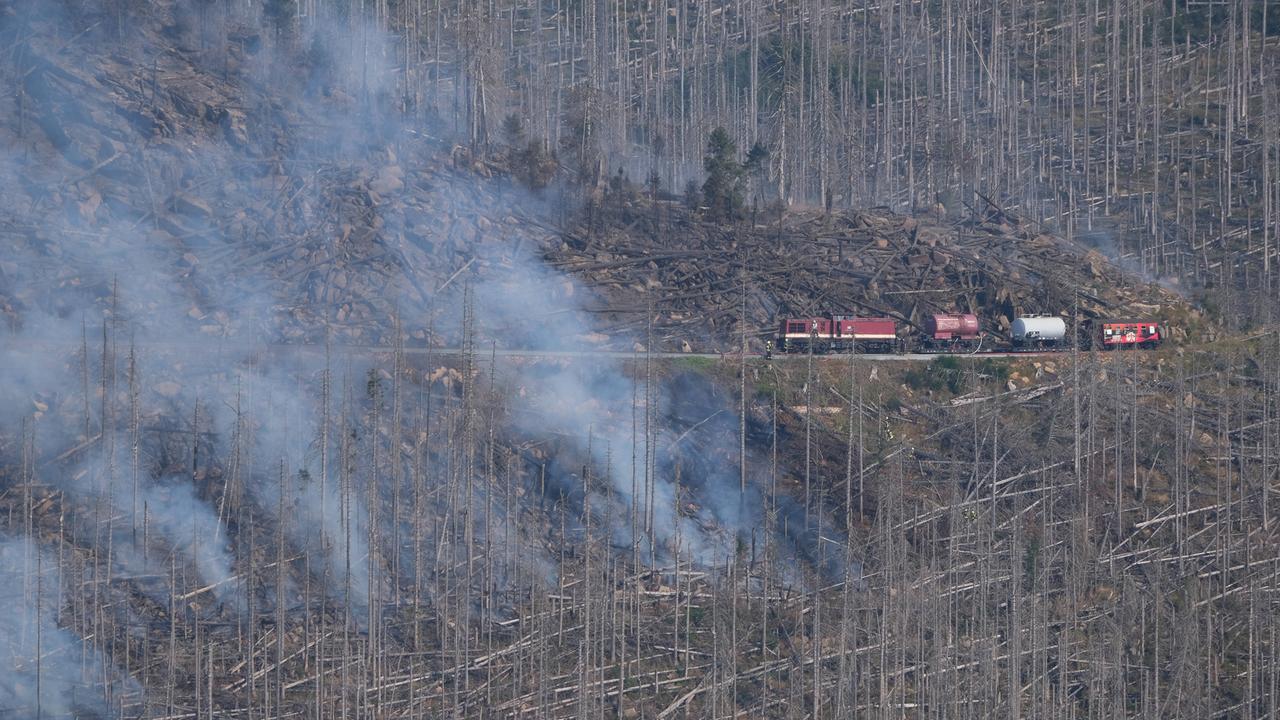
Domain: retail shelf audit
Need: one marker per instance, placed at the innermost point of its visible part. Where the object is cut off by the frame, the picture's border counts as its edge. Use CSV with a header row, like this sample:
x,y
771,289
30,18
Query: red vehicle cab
x,y
799,333
1126,333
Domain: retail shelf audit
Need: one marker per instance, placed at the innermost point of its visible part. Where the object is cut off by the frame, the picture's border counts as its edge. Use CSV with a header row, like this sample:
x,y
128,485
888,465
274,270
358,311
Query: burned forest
x,y
449,359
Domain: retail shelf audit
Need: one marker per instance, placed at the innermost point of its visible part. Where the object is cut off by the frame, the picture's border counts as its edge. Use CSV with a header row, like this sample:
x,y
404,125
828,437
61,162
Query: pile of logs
x,y
702,277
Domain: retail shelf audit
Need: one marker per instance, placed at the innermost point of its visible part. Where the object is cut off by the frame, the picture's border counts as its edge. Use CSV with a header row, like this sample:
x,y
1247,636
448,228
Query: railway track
x,y
212,349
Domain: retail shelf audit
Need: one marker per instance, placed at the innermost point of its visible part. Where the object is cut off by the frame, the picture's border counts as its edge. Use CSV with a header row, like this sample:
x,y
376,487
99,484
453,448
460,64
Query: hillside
x,y
228,199
260,456
201,174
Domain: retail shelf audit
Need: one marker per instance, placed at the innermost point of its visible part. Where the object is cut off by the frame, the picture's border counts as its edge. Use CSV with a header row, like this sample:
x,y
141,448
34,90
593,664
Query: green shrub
x,y
941,372
996,371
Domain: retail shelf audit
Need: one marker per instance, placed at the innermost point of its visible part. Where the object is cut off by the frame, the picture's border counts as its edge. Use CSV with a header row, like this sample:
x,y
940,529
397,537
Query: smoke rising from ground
x,y
118,281
156,325
44,669
665,455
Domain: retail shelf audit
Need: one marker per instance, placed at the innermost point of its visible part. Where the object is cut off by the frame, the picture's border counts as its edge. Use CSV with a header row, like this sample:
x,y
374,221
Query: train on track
x,y
957,333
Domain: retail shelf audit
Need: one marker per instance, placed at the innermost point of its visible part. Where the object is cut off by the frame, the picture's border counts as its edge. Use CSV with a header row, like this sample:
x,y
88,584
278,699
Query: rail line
x,y
214,348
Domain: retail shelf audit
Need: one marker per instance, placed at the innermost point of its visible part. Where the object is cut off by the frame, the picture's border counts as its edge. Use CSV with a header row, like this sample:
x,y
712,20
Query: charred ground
x,y
211,530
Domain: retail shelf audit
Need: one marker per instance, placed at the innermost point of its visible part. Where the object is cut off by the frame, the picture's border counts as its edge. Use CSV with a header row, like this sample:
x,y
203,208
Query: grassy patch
x,y
695,364
996,371
943,372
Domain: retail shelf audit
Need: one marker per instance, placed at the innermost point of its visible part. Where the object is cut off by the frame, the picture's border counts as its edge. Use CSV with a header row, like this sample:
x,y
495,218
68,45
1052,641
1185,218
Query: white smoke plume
x,y
45,670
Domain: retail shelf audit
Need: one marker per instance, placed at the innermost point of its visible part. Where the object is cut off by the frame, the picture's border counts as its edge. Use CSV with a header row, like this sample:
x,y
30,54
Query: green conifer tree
x,y
722,191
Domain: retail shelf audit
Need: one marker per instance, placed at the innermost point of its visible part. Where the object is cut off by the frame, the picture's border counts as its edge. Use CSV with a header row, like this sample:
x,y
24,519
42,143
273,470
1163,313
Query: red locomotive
x,y
838,333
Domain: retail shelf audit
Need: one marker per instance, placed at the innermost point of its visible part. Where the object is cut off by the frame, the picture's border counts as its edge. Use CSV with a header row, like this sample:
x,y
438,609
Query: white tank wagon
x,y
1039,331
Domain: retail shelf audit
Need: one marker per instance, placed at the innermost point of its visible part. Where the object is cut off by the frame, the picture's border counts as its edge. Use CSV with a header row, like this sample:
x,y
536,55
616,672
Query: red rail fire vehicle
x,y
1128,333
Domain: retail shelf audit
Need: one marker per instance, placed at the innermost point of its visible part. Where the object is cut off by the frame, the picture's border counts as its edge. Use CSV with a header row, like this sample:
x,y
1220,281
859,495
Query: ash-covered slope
x,y
177,176
219,534
230,181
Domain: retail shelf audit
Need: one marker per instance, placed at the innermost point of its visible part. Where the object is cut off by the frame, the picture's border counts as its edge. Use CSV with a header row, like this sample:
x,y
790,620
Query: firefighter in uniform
x,y
768,349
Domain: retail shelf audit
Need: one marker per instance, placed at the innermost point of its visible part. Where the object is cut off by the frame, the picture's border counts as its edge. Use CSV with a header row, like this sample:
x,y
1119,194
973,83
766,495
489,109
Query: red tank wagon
x,y
946,330
1129,333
